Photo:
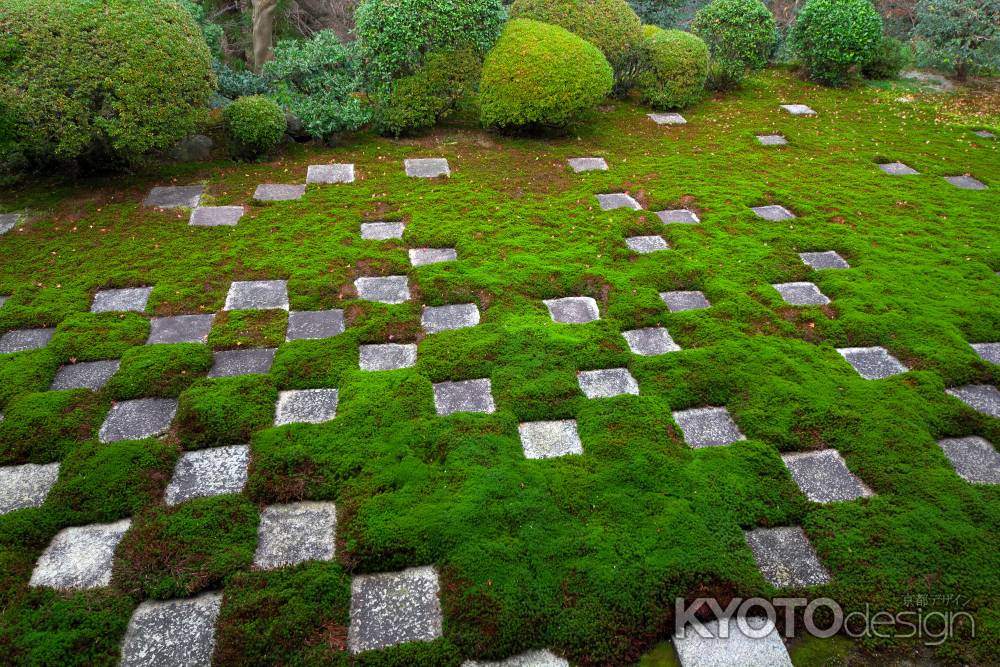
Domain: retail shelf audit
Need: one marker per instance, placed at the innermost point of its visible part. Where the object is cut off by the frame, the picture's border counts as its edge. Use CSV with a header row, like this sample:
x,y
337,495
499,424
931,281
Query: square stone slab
x,y
680,216
425,256
757,645
898,169
175,196
85,375
129,299
650,342
987,352
985,134
975,459
773,213
180,329
546,440
448,318
314,324
785,557
616,200
982,398
328,174
966,182
646,244
872,363
464,396
772,140
386,289
581,164
306,406
8,221
23,340
26,486
798,109
216,216
393,608
80,557
537,658
573,309
174,633
708,427
295,533
382,231
801,294
824,260
279,192
138,419
684,300
257,295
387,357
667,118
824,477
607,383
208,472
427,167
230,363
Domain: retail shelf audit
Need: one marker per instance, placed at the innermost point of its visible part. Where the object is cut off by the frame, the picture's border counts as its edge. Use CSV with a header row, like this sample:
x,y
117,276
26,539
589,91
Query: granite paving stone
x,y
128,299
751,641
773,213
392,608
985,134
581,164
535,658
387,356
966,183
607,383
824,260
257,295
772,140
26,486
85,375
306,406
573,309
8,221
80,557
447,318
384,289
798,109
208,472
785,557
974,458
982,398
295,533
314,324
646,244
616,200
801,294
650,342
667,118
872,363
427,167
684,300
22,340
138,419
180,329
216,216
987,352
680,216
382,231
898,169
425,256
230,363
824,476
550,439
174,196
464,396
708,427
279,192
329,174
173,633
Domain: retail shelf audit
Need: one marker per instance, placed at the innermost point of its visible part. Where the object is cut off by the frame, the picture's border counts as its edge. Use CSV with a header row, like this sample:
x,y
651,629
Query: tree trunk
x,y
263,31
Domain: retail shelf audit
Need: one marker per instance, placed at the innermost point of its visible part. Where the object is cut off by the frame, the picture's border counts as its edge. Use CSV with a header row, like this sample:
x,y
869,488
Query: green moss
x,y
45,427
26,372
96,336
226,411
159,371
248,328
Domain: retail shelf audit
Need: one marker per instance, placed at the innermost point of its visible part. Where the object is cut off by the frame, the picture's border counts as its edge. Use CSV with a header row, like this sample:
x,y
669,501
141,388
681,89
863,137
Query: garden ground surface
x,y
582,554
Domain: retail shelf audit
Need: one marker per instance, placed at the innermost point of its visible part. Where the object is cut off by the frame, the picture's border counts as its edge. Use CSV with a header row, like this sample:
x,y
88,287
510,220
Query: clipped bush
x,y
674,66
254,126
834,38
541,76
740,35
101,82
961,36
890,59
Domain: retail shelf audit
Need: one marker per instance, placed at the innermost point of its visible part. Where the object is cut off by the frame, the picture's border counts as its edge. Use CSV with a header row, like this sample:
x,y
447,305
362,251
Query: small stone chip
x,y
966,183
464,396
85,375
230,363
650,342
26,486
387,357
616,200
80,557
786,558
607,383
898,169
257,295
180,329
801,294
984,398
382,231
447,318
216,216
679,216
550,439
306,406
974,458
750,641
427,167
138,419
279,192
773,213
772,140
386,289
708,427
129,299
573,309
329,174
798,109
393,608
646,244
684,300
295,533
425,256
314,324
985,134
581,164
175,633
177,196
208,472
824,477
872,363
23,340
667,118
824,260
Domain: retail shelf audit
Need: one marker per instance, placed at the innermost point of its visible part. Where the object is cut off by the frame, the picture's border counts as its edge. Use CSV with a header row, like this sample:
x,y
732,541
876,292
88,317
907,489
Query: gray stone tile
x,y
329,174
824,260
180,329
573,309
392,608
448,318
425,256
646,244
708,427
230,363
464,396
650,342
387,356
536,658
382,231
679,216
966,183
798,109
314,324
607,383
581,164
982,398
680,301
667,118
138,419
616,200
8,221
785,557
974,458
735,642
3,299
128,299
824,477
80,557
427,167
279,192
257,295
985,134
306,406
22,340
987,352
898,169
175,633
208,472
384,289
772,140
175,196
872,363
773,213
26,486
85,375
295,533
550,439
216,216
801,294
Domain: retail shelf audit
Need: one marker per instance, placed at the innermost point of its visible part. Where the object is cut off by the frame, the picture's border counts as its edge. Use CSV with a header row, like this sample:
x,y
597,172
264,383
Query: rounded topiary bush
x,y
674,66
541,76
890,58
254,126
740,35
834,37
101,81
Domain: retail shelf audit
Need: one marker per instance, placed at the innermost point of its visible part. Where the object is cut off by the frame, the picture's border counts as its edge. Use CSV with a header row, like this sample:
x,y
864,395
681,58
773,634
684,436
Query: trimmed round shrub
x,y
100,82
541,76
651,30
254,126
740,35
674,66
835,37
890,59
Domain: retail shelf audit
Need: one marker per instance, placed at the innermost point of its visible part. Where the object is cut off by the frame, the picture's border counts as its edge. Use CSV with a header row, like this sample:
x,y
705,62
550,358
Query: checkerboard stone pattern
x,y
26,486
744,641
427,167
8,221
392,608
679,216
650,342
128,299
898,169
646,244
314,324
216,216
616,200
667,118
536,658
983,398
801,294
295,533
798,109
607,383
872,363
573,309
330,174
582,164
773,213
550,439
85,375
279,192
785,557
772,140
448,318
180,329
174,633
306,406
176,196
974,459
682,300
828,259
382,231
80,557
425,256
824,477
966,183
257,295
138,419
208,472
386,289
988,352
464,396
708,427
387,356
23,340
230,363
